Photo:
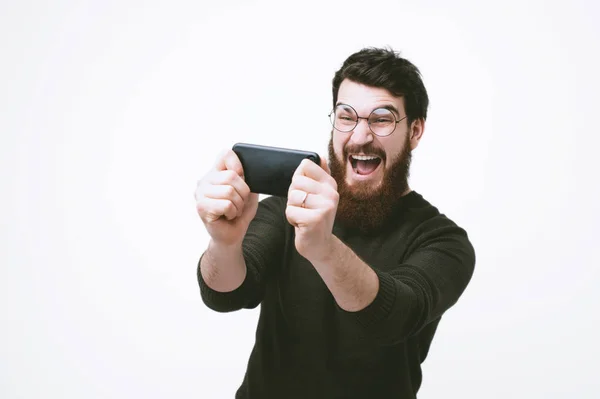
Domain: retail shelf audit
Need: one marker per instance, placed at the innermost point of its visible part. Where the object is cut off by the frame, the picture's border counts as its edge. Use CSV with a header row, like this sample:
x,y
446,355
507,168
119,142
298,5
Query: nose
x,y
362,134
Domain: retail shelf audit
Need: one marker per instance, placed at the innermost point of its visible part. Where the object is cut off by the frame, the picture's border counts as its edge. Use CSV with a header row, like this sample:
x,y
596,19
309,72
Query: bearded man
x,y
353,269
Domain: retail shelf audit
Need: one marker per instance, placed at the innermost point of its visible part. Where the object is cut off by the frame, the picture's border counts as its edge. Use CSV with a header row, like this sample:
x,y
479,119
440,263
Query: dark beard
x,y
365,209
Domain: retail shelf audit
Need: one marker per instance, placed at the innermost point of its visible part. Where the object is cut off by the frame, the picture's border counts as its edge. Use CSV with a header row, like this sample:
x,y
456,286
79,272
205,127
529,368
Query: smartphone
x,y
269,170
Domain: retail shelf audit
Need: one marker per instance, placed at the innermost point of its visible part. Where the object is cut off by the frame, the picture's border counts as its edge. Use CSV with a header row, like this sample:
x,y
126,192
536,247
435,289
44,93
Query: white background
x,y
110,111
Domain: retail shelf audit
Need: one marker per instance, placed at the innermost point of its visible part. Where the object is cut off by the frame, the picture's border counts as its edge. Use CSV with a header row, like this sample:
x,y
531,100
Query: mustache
x,y
369,148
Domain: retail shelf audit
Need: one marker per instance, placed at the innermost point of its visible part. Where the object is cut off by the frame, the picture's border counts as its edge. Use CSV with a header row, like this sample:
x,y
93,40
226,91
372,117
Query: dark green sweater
x,y
307,346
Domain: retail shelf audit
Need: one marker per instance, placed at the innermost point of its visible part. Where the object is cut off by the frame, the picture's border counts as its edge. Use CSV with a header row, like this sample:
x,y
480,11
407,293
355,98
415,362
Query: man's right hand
x,y
224,201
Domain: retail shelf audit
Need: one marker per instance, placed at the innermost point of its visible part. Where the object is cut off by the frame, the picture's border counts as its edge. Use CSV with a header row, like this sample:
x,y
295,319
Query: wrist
x,y
330,251
224,247
223,267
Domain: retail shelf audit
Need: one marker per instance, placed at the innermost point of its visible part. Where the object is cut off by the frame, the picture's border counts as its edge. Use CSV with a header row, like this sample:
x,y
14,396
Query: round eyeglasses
x,y
381,121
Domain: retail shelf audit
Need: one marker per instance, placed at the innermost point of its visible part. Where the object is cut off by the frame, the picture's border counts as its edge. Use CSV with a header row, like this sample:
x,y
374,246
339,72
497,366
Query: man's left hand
x,y
311,208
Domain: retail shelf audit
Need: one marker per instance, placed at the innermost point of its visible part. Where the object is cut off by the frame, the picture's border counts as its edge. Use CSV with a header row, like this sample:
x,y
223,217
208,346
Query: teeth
x,y
364,157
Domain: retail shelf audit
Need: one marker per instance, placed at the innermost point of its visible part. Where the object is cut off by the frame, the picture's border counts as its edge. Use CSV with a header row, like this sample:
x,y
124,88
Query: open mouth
x,y
364,164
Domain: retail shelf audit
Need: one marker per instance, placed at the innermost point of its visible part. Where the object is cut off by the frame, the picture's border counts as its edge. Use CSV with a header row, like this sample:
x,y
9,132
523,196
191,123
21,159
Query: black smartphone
x,y
269,170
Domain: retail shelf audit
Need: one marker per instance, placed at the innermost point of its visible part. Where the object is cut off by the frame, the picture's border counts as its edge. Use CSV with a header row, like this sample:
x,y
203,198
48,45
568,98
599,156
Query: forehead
x,y
366,98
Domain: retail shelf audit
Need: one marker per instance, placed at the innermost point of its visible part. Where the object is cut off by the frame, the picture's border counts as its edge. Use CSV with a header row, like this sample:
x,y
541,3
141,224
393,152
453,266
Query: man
x,y
353,269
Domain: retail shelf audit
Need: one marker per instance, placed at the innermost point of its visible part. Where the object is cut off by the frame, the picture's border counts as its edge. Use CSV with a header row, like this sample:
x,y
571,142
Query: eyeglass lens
x,y
381,121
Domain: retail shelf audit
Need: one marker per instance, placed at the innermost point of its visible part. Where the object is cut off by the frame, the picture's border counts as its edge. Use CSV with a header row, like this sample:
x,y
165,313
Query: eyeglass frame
x,y
358,118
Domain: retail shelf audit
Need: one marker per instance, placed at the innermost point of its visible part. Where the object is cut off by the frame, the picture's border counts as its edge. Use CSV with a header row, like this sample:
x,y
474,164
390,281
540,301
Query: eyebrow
x,y
389,107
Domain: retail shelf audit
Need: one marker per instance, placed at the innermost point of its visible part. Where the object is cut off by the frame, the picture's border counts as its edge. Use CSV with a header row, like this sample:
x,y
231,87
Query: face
x,y
371,171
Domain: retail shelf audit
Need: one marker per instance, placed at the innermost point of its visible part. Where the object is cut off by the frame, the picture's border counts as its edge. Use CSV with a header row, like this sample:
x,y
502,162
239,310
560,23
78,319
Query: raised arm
x,y
391,302
407,295
243,270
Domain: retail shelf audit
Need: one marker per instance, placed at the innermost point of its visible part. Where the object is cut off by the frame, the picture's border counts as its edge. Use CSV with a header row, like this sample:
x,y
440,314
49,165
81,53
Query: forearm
x,y
353,284
223,268
396,301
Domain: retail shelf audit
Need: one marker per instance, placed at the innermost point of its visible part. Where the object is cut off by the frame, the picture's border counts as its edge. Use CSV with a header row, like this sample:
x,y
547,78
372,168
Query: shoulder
x,y
429,225
423,215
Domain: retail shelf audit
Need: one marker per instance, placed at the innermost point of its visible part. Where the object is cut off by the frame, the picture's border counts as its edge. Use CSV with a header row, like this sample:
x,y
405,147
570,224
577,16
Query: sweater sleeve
x,y
418,290
262,249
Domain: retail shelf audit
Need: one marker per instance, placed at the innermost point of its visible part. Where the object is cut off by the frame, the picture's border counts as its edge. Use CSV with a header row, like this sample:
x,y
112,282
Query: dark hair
x,y
384,68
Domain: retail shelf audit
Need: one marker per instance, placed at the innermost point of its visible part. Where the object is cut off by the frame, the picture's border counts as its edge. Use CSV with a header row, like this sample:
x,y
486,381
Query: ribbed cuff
x,y
381,306
223,301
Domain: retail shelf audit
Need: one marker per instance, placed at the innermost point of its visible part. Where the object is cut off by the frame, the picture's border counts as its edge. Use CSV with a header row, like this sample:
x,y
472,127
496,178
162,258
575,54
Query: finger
x,y
220,160
211,210
230,178
250,206
310,169
230,161
329,179
306,184
301,217
297,198
225,192
302,199
325,164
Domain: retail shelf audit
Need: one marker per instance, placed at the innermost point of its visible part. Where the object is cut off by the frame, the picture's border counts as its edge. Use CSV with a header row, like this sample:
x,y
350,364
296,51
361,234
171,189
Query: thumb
x,y
324,164
250,207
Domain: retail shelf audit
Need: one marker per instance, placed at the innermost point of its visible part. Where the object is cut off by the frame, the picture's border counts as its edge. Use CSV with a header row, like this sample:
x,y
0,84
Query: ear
x,y
417,129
